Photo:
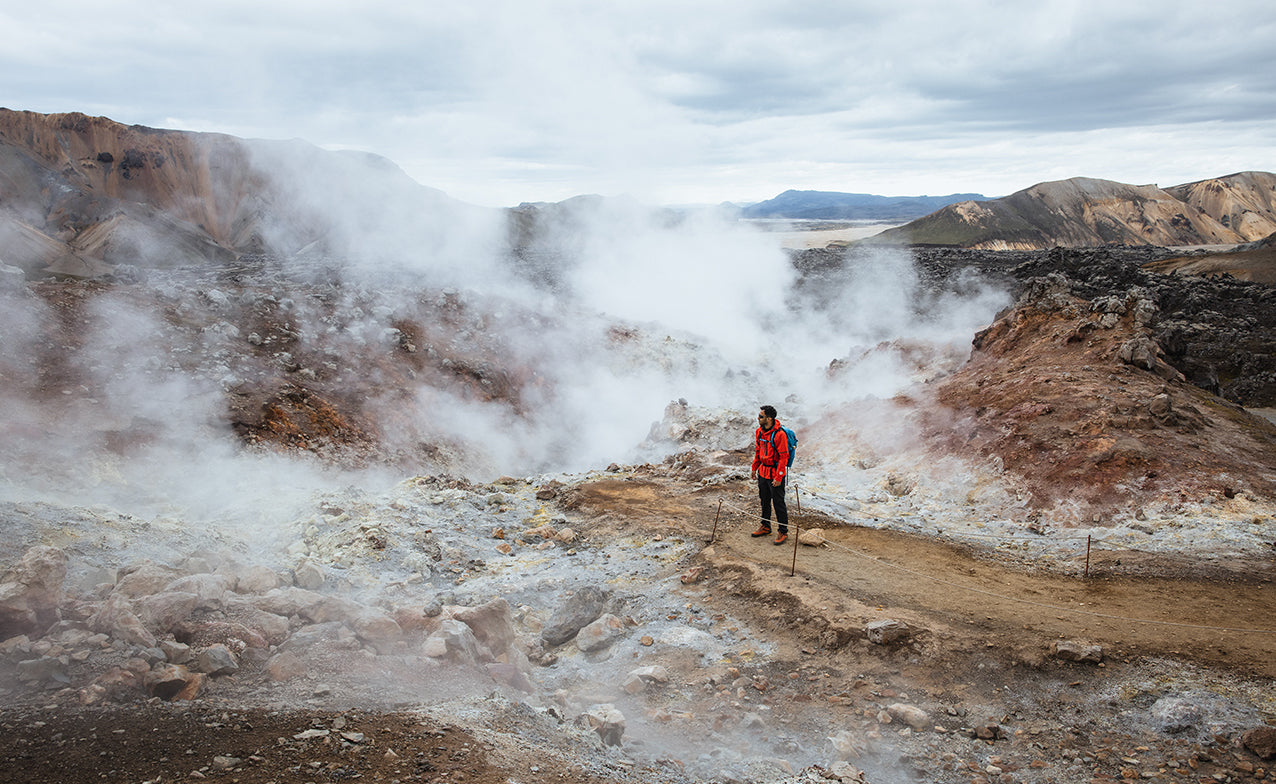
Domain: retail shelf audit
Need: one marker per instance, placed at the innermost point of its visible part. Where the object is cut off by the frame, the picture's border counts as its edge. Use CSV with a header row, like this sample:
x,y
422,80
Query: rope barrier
x,y
795,530
1054,539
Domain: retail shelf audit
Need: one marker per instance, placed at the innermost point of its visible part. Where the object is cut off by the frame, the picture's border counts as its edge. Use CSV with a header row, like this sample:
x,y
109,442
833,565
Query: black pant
x,y
769,494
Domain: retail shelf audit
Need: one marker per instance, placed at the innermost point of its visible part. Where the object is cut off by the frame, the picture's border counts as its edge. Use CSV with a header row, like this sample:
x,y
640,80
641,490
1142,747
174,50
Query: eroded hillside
x,y
81,196
1086,212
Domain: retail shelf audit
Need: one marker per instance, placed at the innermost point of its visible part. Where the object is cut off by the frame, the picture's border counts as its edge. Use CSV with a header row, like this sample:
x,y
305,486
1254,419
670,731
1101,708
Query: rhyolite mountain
x,y
1085,212
80,195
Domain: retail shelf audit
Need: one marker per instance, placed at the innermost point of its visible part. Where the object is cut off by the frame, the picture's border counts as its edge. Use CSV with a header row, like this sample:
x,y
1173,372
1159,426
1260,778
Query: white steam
x,y
510,369
704,275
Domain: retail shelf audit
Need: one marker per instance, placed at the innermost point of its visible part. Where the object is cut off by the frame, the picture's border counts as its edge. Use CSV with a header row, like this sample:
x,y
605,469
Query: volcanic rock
x,y
216,660
1261,741
1073,650
600,633
31,591
887,632
580,609
607,722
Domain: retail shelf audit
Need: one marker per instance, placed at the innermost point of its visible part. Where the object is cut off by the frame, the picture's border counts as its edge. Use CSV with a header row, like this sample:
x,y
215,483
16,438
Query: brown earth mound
x,y
1076,399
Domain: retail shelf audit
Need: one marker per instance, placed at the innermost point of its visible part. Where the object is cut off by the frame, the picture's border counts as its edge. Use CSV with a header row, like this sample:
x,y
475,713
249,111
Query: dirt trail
x,y
974,599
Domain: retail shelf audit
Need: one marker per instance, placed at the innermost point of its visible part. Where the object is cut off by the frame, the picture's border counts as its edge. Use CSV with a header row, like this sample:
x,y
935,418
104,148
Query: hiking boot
x,y
763,531
781,539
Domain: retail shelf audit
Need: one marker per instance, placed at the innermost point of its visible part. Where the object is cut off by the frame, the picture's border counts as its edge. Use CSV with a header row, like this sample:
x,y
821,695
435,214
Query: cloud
x,y
502,102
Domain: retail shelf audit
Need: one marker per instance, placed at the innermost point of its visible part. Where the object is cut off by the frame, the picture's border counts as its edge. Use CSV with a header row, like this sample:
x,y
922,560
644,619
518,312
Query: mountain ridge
x,y
81,194
1090,212
834,205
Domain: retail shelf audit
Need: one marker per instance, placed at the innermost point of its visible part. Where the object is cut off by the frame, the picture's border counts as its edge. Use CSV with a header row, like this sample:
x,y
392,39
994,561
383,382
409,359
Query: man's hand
x,y
753,475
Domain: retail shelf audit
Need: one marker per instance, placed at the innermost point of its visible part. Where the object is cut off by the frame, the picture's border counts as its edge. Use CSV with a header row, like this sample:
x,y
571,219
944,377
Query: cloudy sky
x,y
502,101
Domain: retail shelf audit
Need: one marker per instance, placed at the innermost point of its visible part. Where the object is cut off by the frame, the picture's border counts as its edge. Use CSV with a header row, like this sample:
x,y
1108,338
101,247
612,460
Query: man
x,y
770,463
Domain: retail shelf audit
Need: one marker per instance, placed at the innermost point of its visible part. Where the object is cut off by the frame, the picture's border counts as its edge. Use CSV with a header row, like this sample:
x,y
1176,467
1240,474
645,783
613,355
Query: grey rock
x,y
581,609
600,634
1073,650
308,576
1173,715
492,624
607,722
176,652
455,641
216,660
887,632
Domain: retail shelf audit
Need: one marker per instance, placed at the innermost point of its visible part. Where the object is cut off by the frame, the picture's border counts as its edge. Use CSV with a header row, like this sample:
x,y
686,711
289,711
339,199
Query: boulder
x,y
145,579
453,640
311,606
1076,651
211,589
308,576
812,537
492,624
216,660
283,666
511,675
258,579
913,716
162,612
375,626
31,591
333,634
887,632
42,669
580,609
173,682
275,628
607,722
1261,741
117,619
176,652
600,634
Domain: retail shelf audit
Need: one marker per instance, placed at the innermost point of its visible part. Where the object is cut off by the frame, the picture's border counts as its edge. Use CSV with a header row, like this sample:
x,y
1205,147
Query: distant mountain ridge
x,y
832,205
1086,212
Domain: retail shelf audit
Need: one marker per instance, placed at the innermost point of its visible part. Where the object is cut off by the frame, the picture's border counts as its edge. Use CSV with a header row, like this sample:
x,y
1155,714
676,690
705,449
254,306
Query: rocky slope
x,y
1075,398
1085,212
81,195
1252,261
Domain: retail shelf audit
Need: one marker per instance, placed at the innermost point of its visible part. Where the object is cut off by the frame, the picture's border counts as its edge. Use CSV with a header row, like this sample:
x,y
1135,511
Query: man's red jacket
x,y
771,457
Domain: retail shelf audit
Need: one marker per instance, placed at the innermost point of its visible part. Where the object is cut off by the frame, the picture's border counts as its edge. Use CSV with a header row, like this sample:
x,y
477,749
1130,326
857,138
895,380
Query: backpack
x,y
788,432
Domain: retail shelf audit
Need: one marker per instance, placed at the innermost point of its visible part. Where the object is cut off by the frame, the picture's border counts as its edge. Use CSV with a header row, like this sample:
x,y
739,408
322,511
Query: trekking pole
x,y
1087,555
713,535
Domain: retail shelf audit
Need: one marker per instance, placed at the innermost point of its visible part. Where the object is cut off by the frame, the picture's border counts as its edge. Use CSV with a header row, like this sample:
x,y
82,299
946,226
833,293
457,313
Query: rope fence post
x,y
714,534
794,530
1087,556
